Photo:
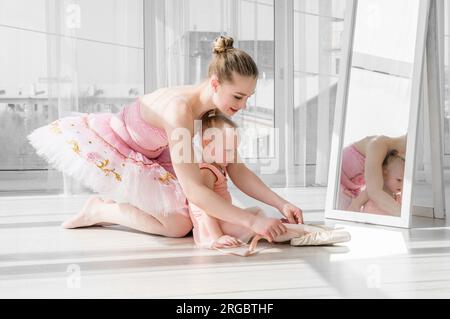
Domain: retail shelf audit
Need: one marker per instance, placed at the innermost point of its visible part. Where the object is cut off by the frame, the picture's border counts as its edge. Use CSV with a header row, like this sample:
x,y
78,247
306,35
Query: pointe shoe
x,y
317,235
299,230
327,237
311,228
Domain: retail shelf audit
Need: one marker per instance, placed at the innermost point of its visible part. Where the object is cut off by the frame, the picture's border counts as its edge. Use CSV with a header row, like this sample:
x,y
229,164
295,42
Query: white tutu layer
x,y
72,147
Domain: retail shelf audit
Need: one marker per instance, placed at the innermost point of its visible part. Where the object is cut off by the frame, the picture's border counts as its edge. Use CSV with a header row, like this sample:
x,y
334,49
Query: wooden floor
x,y
39,259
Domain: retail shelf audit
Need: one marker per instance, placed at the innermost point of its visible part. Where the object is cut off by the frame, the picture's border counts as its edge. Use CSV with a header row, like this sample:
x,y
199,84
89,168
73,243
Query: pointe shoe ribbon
x,y
244,250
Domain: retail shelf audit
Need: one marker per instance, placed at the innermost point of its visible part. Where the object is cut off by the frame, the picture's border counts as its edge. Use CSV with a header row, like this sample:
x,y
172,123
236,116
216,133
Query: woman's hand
x,y
226,241
293,214
269,228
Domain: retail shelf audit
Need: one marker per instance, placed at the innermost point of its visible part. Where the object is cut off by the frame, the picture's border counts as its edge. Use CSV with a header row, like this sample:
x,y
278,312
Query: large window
x,y
59,57
318,27
65,56
447,85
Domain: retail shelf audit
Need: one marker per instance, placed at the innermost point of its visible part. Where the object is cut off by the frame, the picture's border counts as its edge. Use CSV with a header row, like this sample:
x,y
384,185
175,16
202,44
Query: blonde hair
x,y
227,59
214,118
390,156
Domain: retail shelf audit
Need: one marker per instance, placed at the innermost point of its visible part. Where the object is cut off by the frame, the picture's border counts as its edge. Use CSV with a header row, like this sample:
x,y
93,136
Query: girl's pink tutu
x,y
119,156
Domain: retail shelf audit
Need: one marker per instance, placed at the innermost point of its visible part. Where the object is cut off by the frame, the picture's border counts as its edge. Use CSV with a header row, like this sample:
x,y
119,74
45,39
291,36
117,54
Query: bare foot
x,y
86,216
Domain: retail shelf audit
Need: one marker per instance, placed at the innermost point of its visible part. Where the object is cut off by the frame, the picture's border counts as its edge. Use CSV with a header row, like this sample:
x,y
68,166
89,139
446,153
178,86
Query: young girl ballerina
x,y
393,170
219,142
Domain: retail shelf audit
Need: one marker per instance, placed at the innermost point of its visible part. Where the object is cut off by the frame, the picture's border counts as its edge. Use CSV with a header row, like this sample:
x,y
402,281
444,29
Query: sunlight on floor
x,y
370,242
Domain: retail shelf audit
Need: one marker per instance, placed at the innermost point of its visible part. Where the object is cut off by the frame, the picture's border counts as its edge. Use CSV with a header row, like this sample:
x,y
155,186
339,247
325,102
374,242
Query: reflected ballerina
x,y
362,171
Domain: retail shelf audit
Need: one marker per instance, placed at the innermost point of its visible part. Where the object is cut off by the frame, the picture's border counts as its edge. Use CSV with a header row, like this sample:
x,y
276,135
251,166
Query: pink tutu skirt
x,y
99,150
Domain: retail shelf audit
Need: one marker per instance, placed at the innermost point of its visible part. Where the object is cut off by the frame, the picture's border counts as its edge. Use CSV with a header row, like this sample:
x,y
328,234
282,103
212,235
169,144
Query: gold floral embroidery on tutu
x,y
102,140
165,178
103,165
75,146
55,128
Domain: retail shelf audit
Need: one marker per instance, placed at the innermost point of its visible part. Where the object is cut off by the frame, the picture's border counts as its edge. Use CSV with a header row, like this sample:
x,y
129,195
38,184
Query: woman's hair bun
x,y
222,44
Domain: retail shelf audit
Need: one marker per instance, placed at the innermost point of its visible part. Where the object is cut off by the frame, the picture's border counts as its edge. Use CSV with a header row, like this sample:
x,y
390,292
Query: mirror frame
x,y
404,220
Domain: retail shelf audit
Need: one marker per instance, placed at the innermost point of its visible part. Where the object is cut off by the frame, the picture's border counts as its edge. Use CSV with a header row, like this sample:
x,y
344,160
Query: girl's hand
x,y
226,241
268,228
293,214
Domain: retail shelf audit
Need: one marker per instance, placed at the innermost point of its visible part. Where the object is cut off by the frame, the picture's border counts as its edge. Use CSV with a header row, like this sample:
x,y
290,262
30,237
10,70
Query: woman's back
x,y
155,104
396,143
361,145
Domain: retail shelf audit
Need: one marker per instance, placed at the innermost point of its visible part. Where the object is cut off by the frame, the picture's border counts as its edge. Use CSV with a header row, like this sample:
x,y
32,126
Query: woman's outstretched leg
x,y
108,201
96,211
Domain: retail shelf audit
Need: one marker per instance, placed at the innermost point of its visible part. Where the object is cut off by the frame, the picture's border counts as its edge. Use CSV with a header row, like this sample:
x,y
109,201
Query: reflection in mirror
x,y
377,110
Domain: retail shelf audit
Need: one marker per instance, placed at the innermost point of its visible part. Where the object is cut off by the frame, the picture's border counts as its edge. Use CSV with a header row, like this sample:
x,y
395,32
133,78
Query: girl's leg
x,y
96,211
237,231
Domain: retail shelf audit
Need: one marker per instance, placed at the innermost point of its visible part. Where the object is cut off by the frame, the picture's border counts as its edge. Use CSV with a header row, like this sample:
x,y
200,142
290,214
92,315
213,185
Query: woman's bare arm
x,y
376,151
179,125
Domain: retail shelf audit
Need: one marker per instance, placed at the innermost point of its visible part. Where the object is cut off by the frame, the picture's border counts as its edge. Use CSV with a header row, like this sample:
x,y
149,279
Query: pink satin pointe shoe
x,y
299,230
325,237
315,228
297,235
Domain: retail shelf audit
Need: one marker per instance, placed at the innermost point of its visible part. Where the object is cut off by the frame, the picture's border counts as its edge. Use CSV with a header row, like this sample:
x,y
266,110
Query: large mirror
x,y
376,109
